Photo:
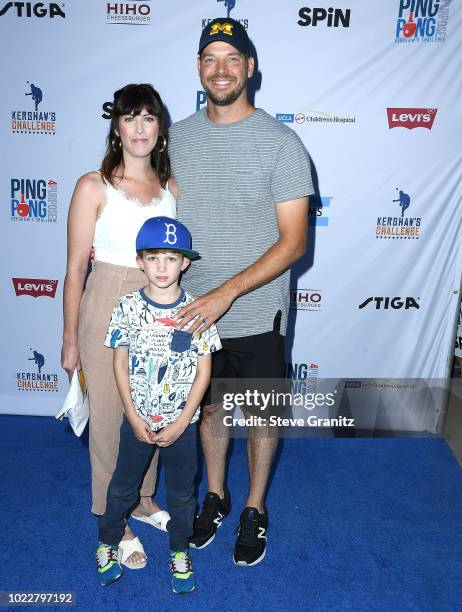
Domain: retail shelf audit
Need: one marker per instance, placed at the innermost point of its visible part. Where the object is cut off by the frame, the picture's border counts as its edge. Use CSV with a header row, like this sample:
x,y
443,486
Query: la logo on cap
x,y
226,28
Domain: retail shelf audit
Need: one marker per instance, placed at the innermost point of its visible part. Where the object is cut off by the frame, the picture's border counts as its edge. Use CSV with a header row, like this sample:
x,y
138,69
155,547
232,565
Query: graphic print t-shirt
x,y
162,359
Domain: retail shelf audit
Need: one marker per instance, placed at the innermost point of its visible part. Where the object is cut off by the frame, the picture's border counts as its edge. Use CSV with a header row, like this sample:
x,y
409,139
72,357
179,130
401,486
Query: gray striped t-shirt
x,y
230,178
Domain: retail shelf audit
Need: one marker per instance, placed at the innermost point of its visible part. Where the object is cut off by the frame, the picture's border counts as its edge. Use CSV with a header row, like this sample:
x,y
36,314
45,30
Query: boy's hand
x,y
142,430
170,434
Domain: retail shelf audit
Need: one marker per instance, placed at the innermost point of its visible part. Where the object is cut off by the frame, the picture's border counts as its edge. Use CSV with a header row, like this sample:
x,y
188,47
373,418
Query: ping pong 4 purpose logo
x,y
411,118
422,21
34,200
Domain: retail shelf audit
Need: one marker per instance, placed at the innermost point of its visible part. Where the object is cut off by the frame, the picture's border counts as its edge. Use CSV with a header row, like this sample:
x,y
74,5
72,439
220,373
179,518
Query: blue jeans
x,y
180,465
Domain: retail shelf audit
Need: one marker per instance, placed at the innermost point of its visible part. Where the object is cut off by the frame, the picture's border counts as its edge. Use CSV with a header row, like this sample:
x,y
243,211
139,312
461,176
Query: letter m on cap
x,y
226,28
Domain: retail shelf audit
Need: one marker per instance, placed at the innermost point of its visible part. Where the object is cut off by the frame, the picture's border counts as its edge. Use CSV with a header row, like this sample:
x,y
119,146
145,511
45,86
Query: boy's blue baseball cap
x,y
228,30
165,233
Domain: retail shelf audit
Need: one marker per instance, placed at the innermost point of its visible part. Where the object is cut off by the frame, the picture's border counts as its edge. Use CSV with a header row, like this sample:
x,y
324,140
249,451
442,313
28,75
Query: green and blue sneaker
x,y
108,559
183,579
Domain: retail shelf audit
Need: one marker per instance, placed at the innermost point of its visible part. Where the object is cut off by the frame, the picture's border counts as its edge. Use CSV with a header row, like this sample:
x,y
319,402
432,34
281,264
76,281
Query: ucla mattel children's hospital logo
x,y
229,6
34,119
399,227
422,21
39,379
33,200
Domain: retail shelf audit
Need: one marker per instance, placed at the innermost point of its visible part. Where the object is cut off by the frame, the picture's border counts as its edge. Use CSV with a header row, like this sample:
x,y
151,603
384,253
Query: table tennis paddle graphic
x,y
410,27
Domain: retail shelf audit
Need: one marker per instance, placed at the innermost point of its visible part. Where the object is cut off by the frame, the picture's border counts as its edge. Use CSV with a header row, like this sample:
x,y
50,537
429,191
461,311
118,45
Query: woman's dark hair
x,y
131,100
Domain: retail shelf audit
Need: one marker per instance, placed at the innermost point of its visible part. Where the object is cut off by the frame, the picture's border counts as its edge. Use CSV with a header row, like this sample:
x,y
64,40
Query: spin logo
x,y
33,200
136,12
318,213
37,121
39,379
305,299
399,227
330,18
229,5
32,9
411,118
422,21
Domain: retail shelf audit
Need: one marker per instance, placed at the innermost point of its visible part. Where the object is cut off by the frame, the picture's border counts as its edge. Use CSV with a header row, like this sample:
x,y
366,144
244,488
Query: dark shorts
x,y
258,358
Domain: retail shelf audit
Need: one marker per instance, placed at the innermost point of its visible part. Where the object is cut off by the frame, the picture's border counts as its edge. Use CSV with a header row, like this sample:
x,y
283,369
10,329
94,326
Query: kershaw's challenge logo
x,y
411,118
35,287
37,381
401,227
422,21
229,5
36,121
34,200
318,212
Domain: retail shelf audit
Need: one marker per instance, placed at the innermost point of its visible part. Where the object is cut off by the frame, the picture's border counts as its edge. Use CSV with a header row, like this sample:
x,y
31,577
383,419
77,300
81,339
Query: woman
x,y
107,209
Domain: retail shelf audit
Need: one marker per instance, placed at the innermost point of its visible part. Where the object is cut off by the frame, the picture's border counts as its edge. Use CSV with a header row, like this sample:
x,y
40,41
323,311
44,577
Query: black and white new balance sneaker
x,y
250,547
209,519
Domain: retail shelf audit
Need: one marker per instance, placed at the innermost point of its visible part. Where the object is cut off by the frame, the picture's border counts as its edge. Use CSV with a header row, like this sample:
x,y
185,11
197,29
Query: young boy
x,y
162,374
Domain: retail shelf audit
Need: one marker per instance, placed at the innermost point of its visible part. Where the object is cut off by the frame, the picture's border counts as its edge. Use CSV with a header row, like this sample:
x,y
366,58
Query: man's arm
x,y
292,220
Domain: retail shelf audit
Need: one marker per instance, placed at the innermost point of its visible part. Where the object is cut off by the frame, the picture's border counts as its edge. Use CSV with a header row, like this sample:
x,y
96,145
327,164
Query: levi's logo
x,y
35,287
226,28
411,118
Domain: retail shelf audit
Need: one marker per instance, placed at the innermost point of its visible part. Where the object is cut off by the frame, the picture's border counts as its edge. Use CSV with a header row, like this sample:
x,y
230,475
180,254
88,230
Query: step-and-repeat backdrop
x,y
372,88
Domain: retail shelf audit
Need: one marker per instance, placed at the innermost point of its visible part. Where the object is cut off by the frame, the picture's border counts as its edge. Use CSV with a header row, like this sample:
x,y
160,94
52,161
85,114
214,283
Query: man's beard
x,y
227,98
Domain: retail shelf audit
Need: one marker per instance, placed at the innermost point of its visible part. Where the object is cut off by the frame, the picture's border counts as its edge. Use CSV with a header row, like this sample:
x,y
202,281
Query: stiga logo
x,y
319,117
33,121
401,227
393,303
330,18
34,200
422,21
229,5
411,118
38,380
32,9
130,13
305,299
318,213
35,287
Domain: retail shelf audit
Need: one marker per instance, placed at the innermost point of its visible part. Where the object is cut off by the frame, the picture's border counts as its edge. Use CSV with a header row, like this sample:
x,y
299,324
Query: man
x,y
243,181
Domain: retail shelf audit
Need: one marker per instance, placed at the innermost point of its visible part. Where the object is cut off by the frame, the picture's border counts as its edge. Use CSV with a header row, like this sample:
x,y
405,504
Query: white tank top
x,y
120,221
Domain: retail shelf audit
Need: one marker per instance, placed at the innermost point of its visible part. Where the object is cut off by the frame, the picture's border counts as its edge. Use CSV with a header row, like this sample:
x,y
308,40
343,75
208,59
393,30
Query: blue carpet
x,y
355,524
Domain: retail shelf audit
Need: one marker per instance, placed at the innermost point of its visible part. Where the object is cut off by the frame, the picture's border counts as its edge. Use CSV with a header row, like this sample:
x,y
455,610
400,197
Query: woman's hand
x,y
70,358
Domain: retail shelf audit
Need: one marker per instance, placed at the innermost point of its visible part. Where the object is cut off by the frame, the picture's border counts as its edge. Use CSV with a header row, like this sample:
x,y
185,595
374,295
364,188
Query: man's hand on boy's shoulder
x,y
170,433
142,430
205,309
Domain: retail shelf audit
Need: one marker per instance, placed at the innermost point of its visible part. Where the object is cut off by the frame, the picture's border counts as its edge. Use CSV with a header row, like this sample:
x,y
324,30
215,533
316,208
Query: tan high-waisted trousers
x,y
105,284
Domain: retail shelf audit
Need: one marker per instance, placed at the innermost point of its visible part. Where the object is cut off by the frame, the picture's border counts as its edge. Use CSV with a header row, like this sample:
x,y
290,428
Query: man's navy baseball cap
x,y
165,233
228,30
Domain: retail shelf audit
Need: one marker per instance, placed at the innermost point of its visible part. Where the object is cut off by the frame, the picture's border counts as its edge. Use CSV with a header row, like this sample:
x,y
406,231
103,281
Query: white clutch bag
x,y
76,406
